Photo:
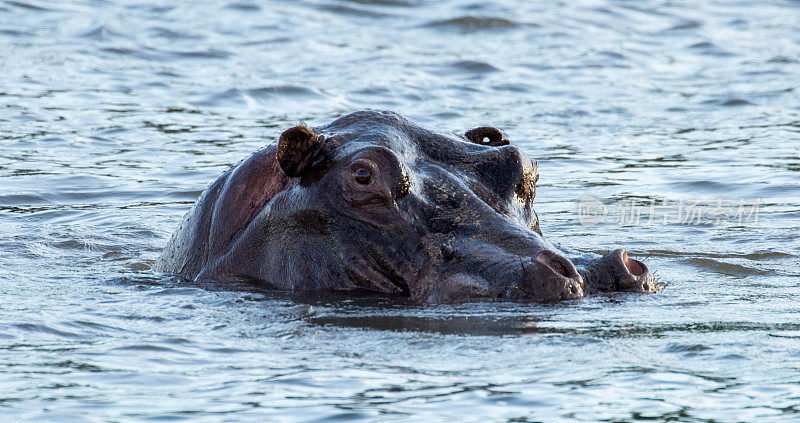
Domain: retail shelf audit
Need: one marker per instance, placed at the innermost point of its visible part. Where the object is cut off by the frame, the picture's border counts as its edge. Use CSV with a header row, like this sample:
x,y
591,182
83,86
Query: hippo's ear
x,y
486,135
298,149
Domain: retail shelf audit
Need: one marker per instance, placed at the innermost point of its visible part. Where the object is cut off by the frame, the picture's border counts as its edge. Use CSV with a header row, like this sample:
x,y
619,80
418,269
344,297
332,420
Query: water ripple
x,y
116,115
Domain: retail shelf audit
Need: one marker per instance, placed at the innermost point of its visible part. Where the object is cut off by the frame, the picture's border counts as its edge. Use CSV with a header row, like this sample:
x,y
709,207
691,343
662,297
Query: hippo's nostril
x,y
635,267
555,262
550,277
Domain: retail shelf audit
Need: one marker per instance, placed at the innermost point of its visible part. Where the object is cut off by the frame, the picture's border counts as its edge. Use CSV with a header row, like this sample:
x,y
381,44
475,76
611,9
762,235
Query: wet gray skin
x,y
377,203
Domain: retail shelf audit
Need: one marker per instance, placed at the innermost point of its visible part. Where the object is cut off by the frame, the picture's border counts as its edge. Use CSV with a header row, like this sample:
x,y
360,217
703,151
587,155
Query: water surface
x,y
115,115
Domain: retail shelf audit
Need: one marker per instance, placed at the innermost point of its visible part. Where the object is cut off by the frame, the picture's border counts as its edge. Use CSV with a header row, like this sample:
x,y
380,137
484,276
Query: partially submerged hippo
x,y
374,202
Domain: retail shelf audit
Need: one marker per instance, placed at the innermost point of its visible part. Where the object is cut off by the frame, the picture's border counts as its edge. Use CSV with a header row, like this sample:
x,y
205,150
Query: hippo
x,y
375,203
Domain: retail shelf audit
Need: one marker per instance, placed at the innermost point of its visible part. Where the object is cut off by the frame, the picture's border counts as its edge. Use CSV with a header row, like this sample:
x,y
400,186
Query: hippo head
x,y
374,202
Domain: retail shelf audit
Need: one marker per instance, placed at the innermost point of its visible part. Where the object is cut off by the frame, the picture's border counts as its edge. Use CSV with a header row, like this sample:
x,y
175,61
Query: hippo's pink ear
x,y
297,148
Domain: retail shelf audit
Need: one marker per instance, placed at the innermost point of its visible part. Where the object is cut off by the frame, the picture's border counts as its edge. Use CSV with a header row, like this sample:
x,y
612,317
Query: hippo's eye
x,y
363,176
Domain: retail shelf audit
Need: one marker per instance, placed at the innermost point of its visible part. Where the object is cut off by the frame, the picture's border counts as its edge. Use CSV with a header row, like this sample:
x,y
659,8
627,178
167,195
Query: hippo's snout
x,y
617,271
551,277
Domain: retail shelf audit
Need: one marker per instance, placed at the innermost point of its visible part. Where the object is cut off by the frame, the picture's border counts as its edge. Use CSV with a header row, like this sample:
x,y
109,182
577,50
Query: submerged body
x,y
375,202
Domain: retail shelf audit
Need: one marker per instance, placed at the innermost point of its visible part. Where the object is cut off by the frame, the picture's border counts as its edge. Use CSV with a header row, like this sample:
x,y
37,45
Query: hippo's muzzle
x,y
617,271
550,277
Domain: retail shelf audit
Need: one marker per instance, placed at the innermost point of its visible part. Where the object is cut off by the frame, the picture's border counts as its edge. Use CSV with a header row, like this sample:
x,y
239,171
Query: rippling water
x,y
114,115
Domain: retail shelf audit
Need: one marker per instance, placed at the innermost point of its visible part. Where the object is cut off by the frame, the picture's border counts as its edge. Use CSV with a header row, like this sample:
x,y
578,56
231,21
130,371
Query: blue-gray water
x,y
114,115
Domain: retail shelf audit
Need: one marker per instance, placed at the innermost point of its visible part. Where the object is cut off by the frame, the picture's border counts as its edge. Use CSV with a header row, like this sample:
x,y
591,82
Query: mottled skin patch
x,y
375,202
